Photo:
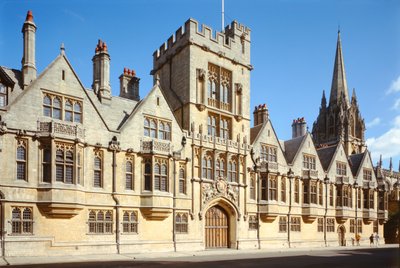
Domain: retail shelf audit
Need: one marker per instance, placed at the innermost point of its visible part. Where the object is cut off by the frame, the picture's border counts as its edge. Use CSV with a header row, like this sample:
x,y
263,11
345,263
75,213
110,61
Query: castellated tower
x,y
101,72
28,59
206,78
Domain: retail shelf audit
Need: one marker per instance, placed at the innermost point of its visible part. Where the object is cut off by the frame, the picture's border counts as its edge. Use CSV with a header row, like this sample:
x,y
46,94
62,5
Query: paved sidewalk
x,y
194,256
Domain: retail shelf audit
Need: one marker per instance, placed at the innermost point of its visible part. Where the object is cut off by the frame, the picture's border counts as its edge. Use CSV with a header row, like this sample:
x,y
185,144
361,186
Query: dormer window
x,y
3,95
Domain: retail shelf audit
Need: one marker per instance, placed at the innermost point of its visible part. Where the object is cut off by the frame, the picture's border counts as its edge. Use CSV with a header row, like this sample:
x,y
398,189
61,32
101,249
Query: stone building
x,y
180,169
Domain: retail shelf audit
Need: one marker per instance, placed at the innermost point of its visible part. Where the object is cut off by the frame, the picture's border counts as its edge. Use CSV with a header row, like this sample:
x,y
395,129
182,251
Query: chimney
x,y
129,85
299,127
28,58
101,72
260,114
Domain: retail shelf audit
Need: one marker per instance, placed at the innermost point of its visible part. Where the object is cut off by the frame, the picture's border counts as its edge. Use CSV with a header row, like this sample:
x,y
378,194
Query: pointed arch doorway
x,y
342,235
216,228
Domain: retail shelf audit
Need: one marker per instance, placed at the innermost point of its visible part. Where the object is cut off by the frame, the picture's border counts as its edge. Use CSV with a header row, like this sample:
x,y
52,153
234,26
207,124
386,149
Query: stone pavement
x,y
220,254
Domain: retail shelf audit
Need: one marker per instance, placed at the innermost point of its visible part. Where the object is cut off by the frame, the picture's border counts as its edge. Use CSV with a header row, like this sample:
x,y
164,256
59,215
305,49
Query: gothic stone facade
x,y
83,171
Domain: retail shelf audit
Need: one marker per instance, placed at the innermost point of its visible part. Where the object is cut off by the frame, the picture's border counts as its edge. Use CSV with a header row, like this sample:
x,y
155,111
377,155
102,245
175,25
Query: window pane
x,y
77,107
78,118
20,153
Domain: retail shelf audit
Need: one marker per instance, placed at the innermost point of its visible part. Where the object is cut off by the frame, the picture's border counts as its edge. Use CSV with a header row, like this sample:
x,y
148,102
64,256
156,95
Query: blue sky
x,y
293,48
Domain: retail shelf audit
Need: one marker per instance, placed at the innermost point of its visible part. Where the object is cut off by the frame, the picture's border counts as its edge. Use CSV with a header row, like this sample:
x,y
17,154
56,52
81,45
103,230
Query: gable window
x,y
367,174
157,128
181,223
130,222
62,108
22,221
129,183
21,160
309,162
3,95
182,179
100,222
341,169
269,153
98,170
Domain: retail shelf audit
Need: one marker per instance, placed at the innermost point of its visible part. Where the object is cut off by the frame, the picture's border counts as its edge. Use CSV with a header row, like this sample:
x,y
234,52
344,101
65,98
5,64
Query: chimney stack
x,y
129,85
28,58
260,114
299,127
101,72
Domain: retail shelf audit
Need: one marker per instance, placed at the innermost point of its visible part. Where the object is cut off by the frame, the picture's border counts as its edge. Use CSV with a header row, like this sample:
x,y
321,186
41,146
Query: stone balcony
x,y
383,216
156,206
268,212
344,213
60,203
219,104
154,146
61,129
310,174
369,215
311,211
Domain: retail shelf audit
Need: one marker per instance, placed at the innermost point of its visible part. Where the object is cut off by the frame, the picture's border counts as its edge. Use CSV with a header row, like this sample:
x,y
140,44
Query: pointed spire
x,y
339,82
391,165
380,161
323,100
354,96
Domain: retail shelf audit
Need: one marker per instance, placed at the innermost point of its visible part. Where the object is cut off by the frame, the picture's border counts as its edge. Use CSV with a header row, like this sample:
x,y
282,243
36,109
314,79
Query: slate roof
x,y
326,154
115,114
254,131
292,146
355,162
13,77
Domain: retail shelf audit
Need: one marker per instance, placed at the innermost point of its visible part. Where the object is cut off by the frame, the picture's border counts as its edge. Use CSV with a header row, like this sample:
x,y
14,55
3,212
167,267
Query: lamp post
x,y
257,172
326,182
290,176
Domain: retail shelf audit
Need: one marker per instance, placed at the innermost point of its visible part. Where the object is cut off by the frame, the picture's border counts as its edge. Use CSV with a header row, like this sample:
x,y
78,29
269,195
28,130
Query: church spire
x,y
323,100
339,82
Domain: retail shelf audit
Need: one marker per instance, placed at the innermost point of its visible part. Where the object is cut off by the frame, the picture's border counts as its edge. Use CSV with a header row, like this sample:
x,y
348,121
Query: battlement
x,y
205,37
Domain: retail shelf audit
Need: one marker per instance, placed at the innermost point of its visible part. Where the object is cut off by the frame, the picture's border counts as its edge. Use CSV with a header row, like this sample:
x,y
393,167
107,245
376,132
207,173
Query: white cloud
x,y
388,144
395,86
376,121
74,15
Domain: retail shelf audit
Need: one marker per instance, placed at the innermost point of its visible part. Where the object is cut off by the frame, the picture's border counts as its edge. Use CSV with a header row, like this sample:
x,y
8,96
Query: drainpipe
x,y
257,172
176,155
2,229
356,206
290,176
114,147
326,181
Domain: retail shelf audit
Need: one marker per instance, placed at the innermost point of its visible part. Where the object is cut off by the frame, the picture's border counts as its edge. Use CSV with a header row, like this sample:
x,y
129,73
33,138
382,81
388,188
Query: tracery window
x,y
207,167
62,108
157,128
130,222
272,187
65,163
218,126
182,179
100,222
161,175
22,221
98,169
232,171
309,162
21,160
224,128
181,223
269,153
220,167
211,124
129,182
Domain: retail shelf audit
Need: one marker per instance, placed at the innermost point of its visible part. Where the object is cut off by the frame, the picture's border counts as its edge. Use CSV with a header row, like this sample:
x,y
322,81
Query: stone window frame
x,y
330,225
367,174
161,176
75,111
147,174
297,190
359,226
21,159
253,222
309,162
341,168
98,169
252,188
182,223
269,153
320,225
233,170
207,167
295,224
282,224
182,179
65,162
3,95
283,189
272,187
320,193
100,221
130,222
21,221
331,195
220,167
129,173
157,128
219,126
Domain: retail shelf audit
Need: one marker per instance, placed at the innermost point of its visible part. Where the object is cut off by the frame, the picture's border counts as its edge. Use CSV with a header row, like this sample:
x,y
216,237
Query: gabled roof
x,y
355,162
10,76
254,131
292,147
326,155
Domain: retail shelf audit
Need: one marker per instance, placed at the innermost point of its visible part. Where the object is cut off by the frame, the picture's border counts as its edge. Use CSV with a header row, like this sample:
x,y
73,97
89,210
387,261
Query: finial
x,y
391,164
380,161
62,49
338,29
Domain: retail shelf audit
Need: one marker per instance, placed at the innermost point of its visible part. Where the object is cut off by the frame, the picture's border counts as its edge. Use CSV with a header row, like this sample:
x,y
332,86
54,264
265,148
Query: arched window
x,y
157,177
16,222
153,129
92,222
57,108
129,175
296,191
320,193
22,221
130,222
167,131
232,171
181,223
27,221
161,132
220,168
207,167
272,187
182,181
21,160
77,113
146,127
164,178
97,178
47,105
68,111
147,175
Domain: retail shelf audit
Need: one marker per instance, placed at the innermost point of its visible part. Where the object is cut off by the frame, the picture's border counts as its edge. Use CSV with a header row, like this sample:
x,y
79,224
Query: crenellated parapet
x,y
233,43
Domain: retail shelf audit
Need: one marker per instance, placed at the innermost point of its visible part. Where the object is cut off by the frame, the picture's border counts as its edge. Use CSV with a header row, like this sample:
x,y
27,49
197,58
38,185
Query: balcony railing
x,y
219,104
61,128
155,147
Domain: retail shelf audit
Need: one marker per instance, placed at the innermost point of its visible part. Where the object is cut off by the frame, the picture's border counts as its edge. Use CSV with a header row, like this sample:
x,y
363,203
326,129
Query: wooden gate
x,y
217,228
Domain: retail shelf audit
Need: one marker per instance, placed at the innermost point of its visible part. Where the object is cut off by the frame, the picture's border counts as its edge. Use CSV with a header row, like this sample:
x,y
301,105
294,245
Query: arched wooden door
x,y
342,237
217,228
